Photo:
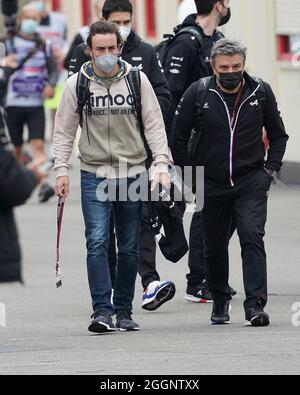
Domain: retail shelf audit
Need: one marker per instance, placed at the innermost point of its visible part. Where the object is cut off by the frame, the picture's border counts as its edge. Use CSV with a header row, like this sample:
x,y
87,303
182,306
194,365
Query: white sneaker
x,y
158,293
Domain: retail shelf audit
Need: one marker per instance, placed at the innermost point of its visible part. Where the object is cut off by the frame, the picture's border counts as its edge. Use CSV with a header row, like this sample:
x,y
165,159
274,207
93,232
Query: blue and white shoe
x,y
158,293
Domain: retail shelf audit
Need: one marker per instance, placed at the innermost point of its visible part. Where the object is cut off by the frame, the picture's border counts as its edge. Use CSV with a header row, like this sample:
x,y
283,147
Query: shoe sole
x,y
129,330
258,321
164,295
100,328
193,299
220,323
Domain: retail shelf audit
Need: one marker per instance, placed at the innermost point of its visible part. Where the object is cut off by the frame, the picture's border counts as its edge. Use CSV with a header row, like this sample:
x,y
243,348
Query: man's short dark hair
x,y
205,7
104,27
112,6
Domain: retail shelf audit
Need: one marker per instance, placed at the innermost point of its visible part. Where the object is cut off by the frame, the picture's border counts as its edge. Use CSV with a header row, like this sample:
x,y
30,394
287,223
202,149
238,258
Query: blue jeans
x,y
97,214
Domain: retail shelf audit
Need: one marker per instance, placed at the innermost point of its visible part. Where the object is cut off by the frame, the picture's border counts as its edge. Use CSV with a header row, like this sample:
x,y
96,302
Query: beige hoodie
x,y
110,142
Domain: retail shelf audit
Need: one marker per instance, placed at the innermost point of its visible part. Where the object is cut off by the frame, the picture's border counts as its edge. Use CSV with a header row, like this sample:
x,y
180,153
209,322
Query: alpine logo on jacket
x,y
254,103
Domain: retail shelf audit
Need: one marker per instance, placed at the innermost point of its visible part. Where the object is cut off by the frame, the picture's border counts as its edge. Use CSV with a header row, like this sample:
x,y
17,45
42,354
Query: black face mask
x,y
231,81
225,19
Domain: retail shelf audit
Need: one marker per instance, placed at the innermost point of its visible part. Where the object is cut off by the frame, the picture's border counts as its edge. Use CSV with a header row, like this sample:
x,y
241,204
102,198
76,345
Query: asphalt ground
x,y
46,329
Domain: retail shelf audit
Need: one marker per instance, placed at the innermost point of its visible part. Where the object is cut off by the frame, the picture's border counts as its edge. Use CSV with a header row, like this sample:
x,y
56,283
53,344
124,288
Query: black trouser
x,y
147,265
248,202
196,255
197,263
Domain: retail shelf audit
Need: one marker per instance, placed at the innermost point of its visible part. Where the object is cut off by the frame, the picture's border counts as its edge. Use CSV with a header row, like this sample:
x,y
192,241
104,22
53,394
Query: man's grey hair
x,y
228,47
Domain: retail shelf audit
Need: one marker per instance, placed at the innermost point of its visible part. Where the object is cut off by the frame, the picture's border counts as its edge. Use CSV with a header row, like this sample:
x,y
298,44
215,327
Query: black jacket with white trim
x,y
230,154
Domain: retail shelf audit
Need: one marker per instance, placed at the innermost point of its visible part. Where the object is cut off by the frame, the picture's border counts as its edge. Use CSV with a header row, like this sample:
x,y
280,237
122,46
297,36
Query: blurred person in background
x,y
185,63
83,33
16,185
53,28
31,82
142,55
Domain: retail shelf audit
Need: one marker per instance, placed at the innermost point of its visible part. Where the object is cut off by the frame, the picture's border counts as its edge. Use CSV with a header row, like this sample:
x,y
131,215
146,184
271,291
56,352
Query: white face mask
x,y
124,31
106,63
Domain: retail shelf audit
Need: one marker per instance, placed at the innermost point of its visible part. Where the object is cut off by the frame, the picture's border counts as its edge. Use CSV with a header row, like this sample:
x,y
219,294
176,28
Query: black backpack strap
x,y
83,94
134,86
261,95
162,48
197,132
202,91
134,81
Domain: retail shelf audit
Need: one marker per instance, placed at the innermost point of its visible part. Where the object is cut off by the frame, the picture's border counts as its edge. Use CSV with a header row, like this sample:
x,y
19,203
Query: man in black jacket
x,y
82,35
237,177
16,186
135,51
187,61
139,54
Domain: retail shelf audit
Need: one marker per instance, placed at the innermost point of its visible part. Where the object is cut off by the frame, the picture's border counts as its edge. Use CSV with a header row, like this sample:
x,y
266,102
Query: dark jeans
x,y
97,216
147,261
248,202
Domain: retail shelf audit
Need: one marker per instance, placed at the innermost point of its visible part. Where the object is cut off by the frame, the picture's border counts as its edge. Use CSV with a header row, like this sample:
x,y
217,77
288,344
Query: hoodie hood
x,y
190,20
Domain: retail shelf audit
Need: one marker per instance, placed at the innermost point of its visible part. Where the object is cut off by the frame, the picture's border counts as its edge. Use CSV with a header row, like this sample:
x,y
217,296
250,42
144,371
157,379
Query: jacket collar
x,y
132,42
190,21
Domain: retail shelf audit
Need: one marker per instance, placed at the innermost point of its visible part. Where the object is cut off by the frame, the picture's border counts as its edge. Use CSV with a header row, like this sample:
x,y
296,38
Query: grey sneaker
x,y
125,322
102,323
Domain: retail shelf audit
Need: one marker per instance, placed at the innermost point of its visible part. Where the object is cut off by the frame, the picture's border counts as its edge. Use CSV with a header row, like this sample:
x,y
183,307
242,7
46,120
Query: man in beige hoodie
x,y
112,152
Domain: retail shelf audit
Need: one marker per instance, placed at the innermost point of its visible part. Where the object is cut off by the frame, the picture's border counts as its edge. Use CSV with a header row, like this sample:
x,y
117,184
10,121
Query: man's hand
x,y
62,186
49,92
163,179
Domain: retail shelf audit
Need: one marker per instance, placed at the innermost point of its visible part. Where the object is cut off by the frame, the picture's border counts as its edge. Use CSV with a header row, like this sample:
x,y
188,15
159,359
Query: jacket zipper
x,y
109,140
232,129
